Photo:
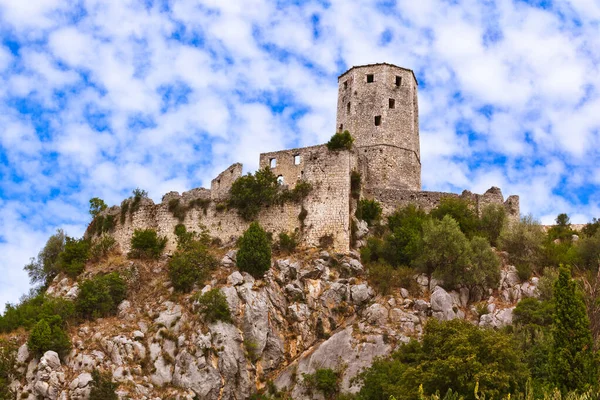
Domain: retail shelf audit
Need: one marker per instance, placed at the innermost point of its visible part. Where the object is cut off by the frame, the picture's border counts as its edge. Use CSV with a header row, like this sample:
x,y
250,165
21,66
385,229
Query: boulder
x,y
442,304
235,279
361,294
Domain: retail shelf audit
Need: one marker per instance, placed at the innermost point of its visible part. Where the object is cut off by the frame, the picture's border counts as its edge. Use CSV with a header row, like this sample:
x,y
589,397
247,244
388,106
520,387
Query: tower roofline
x,y
376,64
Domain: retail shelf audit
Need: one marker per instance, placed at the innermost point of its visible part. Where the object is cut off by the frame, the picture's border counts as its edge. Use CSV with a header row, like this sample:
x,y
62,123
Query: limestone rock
x,y
442,304
360,294
235,279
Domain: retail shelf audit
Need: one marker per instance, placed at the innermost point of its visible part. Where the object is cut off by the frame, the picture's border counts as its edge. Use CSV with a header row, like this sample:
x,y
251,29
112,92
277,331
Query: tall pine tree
x,y
572,362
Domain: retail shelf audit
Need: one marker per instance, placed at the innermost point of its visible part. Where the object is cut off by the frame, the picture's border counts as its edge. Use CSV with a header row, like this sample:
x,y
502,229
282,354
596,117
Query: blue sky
x,y
98,97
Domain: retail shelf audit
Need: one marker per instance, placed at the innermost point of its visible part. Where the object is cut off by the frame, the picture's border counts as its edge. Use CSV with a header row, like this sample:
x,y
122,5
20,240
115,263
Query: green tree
x,y
340,141
213,306
572,363
454,355
588,252
591,228
523,241
100,296
103,387
49,334
406,226
73,257
492,222
190,265
250,193
324,380
461,210
145,243
445,251
254,254
369,211
484,268
562,230
43,269
97,205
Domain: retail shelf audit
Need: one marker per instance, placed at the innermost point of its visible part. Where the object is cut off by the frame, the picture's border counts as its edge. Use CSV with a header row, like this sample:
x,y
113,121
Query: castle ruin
x,y
378,105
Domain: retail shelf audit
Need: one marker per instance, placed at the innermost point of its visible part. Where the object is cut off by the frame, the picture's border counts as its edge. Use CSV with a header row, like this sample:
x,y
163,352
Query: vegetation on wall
x,y
132,204
146,244
369,211
340,141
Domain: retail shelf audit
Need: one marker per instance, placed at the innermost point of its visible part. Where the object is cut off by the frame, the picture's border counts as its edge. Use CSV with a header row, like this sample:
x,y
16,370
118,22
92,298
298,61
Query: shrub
x,y
250,193
461,210
523,241
103,387
445,251
588,252
453,355
562,230
287,243
190,265
340,141
254,254
213,306
7,368
49,334
184,238
145,243
103,247
97,205
355,184
132,204
402,245
368,211
325,380
591,228
177,209
44,268
301,190
493,222
484,269
386,278
124,210
72,259
251,348
100,296
34,308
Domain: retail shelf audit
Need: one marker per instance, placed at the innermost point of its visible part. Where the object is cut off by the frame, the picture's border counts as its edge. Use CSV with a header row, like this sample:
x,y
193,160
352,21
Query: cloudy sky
x,y
98,97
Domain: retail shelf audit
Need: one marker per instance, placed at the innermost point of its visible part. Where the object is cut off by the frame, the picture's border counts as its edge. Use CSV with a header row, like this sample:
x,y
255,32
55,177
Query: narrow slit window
x,y
341,127
377,120
398,81
345,84
370,78
392,103
273,162
297,159
348,108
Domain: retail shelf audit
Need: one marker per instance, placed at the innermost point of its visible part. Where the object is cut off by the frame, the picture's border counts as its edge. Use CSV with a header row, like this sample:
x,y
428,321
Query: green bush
x,y
523,242
484,269
213,306
7,368
44,268
406,226
72,259
132,204
97,205
453,355
385,278
325,380
190,265
492,222
287,243
461,210
340,141
562,230
445,251
591,228
177,209
49,334
355,184
103,387
254,254
102,248
34,308
101,224
100,296
184,238
368,211
588,252
250,193
145,243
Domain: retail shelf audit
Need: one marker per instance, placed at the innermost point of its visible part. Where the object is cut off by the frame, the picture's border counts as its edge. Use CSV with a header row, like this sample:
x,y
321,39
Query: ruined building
x,y
378,105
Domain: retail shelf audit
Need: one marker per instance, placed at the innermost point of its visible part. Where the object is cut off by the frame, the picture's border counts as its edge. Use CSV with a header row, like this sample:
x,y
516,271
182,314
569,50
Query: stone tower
x,y
378,104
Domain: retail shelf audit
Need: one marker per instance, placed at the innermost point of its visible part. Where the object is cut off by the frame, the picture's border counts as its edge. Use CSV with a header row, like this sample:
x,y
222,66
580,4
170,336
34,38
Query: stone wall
x,y
395,141
219,187
392,199
327,208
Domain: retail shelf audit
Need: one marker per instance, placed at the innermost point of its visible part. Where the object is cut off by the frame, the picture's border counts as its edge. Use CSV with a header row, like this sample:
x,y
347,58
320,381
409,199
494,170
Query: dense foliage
x,y
34,308
146,244
72,259
250,193
190,264
368,211
44,268
254,254
97,205
340,141
49,334
323,380
453,355
100,295
213,306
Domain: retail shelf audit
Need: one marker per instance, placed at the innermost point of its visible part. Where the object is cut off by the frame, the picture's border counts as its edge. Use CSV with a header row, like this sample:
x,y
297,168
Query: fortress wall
x,y
392,199
389,167
292,169
327,206
219,187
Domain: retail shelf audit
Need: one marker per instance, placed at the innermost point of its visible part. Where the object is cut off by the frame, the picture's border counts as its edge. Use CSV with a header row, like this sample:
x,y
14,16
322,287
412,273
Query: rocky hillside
x,y
312,310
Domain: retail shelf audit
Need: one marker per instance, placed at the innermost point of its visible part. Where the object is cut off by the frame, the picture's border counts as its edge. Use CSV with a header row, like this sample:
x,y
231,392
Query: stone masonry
x,y
378,105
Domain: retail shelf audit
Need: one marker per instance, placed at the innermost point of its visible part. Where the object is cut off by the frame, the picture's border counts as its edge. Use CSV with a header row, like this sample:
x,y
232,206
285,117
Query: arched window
x,y
280,180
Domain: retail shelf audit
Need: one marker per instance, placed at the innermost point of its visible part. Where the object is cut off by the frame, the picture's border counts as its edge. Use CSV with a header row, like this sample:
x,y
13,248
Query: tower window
x,y
392,103
280,180
297,159
370,78
345,84
273,162
341,127
348,108
398,81
377,120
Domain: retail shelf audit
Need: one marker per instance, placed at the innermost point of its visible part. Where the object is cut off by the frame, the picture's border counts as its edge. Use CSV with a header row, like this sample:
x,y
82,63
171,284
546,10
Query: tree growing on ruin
x,y
250,193
254,254
340,141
